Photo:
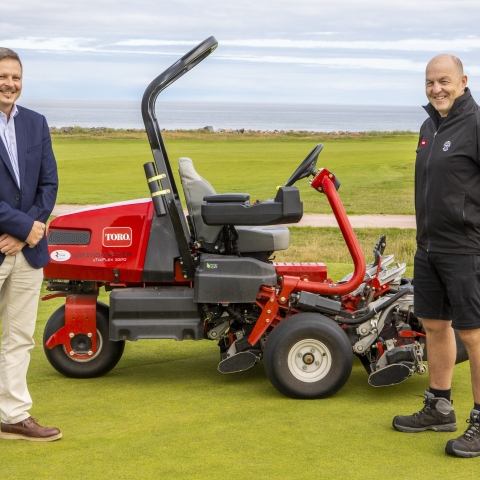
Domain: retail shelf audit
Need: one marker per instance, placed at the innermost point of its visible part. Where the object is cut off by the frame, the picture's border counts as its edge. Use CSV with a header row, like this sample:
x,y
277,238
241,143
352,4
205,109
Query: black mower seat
x,y
250,238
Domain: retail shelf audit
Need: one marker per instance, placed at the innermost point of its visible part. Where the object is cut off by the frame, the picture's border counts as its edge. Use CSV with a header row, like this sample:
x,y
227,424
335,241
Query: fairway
x,y
376,172
166,413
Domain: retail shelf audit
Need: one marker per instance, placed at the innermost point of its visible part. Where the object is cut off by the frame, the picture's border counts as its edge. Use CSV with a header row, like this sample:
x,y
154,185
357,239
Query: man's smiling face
x,y
10,84
444,83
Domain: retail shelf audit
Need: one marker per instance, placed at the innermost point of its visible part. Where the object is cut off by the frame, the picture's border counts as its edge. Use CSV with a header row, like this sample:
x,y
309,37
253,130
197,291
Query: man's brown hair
x,y
6,53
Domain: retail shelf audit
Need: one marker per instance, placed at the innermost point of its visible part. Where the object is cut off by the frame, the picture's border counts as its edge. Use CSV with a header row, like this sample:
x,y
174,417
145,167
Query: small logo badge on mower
x,y
117,237
60,255
212,265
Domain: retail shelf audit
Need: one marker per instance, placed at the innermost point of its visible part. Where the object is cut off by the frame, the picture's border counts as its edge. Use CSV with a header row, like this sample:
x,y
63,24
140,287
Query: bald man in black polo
x,y
447,261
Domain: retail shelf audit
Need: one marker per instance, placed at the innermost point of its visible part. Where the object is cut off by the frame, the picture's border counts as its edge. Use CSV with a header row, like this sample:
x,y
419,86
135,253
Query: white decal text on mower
x,y
60,255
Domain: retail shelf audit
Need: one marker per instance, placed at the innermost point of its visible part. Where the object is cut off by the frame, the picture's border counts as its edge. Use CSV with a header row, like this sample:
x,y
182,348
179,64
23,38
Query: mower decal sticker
x,y
114,255
423,143
60,255
117,237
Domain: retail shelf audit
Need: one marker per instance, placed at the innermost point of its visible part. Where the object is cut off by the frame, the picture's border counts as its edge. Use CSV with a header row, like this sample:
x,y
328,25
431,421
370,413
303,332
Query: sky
x,y
349,52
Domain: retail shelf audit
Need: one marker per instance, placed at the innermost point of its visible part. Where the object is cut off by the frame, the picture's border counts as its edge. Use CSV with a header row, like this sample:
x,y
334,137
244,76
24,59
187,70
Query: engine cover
x,y
229,279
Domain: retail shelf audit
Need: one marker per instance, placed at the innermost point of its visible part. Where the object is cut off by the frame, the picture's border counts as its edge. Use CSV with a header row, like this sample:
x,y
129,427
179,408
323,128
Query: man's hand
x,y
36,234
10,245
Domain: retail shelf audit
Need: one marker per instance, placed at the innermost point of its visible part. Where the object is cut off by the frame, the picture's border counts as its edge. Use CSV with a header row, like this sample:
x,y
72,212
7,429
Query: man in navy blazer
x,y
28,189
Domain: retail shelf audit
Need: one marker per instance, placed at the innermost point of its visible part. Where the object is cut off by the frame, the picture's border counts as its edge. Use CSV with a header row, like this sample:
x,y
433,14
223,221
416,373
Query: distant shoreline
x,y
210,131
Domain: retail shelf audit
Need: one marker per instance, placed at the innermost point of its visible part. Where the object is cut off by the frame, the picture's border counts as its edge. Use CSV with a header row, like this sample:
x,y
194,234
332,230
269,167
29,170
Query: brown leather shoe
x,y
29,429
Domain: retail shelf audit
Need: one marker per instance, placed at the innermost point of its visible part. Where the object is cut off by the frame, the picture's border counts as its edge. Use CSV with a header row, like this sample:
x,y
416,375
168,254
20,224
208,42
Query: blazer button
x,y
17,197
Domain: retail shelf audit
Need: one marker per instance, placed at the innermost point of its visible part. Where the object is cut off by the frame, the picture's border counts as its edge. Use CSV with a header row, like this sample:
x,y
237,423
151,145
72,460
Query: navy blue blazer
x,y
35,198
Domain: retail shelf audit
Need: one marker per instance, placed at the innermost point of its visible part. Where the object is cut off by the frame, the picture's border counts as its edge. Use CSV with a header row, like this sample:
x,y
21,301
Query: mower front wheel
x,y
308,355
105,358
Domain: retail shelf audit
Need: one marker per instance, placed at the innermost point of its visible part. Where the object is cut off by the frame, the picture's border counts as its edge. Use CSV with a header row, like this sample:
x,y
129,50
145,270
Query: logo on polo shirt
x,y
423,143
446,145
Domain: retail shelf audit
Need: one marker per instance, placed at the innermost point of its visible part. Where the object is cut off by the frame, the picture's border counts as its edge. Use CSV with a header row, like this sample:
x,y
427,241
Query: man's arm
x,y
14,222
47,183
11,245
29,227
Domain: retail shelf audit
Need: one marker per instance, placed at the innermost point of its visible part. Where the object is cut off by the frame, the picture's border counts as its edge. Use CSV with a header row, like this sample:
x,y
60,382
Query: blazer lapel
x,y
20,133
6,159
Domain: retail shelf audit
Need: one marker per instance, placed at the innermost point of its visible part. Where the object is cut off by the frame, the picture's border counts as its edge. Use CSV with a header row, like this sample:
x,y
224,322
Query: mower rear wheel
x,y
308,355
105,358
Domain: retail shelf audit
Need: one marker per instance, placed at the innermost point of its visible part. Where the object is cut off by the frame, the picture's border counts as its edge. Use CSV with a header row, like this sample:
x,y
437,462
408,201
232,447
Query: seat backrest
x,y
195,188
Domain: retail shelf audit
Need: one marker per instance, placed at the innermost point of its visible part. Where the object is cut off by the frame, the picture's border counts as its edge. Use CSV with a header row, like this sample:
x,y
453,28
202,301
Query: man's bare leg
x,y
441,352
471,339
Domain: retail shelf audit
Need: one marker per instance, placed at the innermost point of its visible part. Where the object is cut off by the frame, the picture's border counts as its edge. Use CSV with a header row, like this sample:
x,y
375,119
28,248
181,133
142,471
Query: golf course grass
x,y
376,172
165,412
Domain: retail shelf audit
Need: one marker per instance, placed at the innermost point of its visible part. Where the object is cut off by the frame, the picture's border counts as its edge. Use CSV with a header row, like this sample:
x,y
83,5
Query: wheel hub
x,y
309,360
81,345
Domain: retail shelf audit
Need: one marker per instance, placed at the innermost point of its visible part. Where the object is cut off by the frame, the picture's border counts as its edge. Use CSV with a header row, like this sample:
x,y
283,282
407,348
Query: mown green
x,y
166,413
376,172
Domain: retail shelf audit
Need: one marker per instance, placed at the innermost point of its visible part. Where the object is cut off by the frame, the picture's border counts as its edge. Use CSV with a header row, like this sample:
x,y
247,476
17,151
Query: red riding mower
x,y
208,276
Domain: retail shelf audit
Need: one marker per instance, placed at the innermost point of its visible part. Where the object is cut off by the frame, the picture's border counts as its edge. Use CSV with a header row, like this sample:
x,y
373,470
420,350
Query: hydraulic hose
x,y
377,309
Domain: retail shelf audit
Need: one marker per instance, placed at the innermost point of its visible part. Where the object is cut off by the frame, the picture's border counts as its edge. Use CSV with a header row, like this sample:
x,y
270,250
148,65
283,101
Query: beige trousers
x,y
19,291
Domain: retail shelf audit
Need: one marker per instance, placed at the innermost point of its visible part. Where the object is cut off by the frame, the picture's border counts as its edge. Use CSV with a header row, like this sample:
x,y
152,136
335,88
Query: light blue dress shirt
x,y
7,134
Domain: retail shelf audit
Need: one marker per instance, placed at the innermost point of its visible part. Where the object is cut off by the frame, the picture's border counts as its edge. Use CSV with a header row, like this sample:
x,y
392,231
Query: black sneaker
x,y
436,415
468,444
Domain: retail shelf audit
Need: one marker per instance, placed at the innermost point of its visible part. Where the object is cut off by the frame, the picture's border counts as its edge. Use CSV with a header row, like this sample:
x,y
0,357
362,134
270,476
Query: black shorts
x,y
447,287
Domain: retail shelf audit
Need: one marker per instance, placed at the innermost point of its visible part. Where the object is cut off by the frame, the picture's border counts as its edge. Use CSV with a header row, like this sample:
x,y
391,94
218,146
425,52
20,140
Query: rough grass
x,y
376,172
309,244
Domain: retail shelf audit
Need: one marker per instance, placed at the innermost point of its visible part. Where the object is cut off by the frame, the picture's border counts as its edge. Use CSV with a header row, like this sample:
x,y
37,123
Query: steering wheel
x,y
307,167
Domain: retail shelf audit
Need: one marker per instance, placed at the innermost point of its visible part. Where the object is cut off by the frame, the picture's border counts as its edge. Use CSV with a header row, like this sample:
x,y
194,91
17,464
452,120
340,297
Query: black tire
x,y
102,362
287,352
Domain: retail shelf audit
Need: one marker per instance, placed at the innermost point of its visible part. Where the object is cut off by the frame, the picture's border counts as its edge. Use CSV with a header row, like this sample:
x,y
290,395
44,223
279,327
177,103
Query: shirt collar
x,y
458,104
13,113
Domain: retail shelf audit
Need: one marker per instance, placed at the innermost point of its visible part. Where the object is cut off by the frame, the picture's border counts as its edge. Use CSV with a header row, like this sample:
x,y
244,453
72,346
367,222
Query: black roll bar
x,y
165,79
169,193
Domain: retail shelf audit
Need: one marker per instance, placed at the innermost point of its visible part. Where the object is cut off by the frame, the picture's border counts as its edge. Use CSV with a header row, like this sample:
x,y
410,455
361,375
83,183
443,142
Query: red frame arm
x,y
324,182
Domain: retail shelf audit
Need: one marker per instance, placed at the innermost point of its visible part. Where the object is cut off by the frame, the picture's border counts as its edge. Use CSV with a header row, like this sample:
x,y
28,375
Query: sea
x,y
254,116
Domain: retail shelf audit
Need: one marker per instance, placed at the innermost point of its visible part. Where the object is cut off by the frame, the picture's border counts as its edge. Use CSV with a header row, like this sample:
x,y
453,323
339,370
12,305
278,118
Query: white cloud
x,y
62,44
308,49
155,43
90,45
408,45
348,62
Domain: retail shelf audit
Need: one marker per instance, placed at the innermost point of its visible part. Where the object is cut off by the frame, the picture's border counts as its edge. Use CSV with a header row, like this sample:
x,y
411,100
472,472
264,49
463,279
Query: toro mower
x,y
209,275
